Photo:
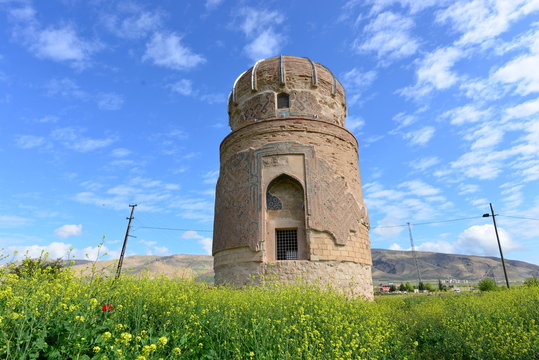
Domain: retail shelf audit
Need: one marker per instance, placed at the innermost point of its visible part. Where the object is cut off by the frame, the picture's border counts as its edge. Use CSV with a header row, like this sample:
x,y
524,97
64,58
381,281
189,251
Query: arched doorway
x,y
285,220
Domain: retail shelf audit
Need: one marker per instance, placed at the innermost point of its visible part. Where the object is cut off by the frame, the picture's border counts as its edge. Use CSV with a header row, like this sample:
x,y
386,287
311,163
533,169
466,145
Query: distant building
x,y
289,203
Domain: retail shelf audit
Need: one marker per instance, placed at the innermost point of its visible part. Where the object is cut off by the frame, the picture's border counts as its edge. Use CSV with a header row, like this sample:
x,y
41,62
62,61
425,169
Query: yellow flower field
x,y
65,317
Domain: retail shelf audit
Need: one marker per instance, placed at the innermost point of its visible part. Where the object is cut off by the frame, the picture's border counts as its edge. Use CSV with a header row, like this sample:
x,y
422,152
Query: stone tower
x,y
289,204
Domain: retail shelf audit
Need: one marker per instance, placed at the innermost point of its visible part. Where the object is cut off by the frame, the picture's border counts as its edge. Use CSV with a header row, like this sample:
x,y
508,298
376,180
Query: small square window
x,y
283,101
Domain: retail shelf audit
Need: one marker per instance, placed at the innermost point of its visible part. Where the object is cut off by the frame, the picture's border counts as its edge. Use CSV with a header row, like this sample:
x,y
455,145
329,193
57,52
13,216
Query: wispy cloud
x,y
356,82
389,36
60,250
30,141
132,22
68,230
409,201
421,136
424,163
73,138
434,72
61,43
479,21
466,114
152,195
167,50
205,242
9,221
212,4
185,87
110,101
258,28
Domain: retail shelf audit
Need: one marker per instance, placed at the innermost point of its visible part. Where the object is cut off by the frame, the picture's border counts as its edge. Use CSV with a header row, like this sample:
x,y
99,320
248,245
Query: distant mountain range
x,y
388,265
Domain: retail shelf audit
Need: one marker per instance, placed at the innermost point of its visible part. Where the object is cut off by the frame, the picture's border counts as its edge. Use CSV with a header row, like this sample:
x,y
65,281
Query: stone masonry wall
x,y
347,277
253,97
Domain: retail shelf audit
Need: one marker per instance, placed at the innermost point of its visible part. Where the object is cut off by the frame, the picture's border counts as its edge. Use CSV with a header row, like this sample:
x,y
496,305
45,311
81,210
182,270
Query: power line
x,y
425,223
372,228
518,217
173,229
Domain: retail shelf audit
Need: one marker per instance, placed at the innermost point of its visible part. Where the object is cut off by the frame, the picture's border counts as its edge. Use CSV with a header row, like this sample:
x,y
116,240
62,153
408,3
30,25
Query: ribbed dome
x,y
286,86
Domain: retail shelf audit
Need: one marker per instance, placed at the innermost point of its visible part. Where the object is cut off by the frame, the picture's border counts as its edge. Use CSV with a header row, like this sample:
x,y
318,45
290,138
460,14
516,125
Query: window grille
x,y
287,244
283,101
273,202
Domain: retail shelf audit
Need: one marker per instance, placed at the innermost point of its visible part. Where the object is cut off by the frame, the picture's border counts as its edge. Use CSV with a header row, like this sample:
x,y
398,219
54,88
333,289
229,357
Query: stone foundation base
x,y
347,277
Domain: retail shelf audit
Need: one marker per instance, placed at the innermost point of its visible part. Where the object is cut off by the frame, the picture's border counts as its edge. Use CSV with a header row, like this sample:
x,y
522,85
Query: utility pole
x,y
414,254
121,260
498,238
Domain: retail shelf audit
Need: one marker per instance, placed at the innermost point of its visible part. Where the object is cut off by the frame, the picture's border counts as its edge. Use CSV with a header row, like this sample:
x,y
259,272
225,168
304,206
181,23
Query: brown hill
x,y
394,265
388,265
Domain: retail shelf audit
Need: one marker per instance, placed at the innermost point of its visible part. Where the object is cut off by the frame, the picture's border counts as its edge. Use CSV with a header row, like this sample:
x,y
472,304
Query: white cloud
x,y
8,221
520,72
435,72
266,44
120,152
211,177
29,141
204,241
466,114
60,250
110,101
153,249
57,43
468,189
485,137
413,5
403,120
424,163
525,109
437,246
255,21
258,27
389,36
133,23
481,20
150,194
420,136
356,82
65,87
167,50
481,240
412,201
419,188
66,231
475,240
212,4
62,44
185,87
354,123
55,250
182,87
72,139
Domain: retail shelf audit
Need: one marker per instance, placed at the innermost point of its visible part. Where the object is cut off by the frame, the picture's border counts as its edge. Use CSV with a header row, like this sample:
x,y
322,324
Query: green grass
x,y
42,316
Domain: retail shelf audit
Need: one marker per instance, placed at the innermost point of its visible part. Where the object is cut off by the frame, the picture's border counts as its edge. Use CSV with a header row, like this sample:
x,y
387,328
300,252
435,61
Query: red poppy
x,y
107,307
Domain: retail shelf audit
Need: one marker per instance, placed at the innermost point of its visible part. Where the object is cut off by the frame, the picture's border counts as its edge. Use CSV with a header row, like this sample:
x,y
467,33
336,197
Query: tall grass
x,y
65,317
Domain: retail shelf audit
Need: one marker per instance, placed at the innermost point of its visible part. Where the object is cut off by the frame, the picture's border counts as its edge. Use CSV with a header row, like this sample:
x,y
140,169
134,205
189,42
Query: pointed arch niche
x,y
285,220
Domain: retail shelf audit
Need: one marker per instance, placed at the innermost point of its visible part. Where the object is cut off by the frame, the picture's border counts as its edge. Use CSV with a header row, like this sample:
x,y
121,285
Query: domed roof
x,y
313,92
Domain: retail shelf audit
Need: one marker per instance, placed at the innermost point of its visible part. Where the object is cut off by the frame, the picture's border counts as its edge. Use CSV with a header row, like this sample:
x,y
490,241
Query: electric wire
x,y
372,228
426,223
519,217
173,229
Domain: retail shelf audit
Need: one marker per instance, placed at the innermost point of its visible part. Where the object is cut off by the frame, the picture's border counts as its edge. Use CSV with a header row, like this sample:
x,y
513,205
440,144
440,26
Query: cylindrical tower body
x,y
289,204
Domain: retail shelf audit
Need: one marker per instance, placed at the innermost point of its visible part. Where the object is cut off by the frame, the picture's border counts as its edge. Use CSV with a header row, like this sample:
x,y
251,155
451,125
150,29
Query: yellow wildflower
x,y
162,341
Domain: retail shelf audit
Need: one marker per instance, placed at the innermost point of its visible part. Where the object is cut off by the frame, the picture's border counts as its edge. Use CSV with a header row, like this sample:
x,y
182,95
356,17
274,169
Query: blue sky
x,y
105,104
